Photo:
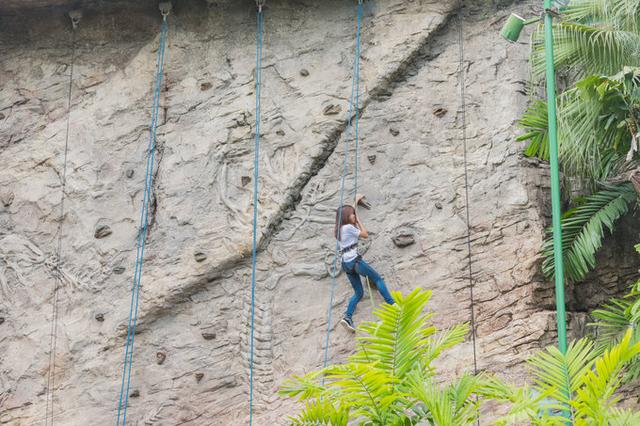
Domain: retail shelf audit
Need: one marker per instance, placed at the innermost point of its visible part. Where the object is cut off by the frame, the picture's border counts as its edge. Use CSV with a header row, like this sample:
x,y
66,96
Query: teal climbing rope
x,y
142,232
352,122
256,175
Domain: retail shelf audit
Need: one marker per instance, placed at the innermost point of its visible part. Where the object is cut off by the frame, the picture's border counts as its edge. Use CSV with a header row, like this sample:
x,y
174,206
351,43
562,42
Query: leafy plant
x,y
583,229
391,380
577,388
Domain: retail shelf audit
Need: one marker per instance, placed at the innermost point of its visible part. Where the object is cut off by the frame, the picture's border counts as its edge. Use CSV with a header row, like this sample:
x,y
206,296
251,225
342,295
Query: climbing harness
x,y
165,9
75,16
256,175
354,96
463,114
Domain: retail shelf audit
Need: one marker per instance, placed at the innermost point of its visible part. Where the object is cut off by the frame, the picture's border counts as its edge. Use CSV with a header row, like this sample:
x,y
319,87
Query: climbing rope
x,y
256,175
351,123
53,338
142,232
463,113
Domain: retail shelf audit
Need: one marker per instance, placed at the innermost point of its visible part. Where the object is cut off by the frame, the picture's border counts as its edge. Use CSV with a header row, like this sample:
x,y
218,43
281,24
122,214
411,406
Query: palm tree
x,y
597,42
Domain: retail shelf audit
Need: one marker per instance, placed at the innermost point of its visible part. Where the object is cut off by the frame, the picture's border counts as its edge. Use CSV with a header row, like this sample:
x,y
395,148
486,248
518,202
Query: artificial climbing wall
x,y
192,347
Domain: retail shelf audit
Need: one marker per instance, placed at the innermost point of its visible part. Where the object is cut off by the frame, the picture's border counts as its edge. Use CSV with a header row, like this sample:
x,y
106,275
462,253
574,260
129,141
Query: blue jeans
x,y
354,269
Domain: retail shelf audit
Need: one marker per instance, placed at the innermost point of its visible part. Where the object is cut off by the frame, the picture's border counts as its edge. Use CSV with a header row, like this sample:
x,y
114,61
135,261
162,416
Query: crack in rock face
x,y
193,341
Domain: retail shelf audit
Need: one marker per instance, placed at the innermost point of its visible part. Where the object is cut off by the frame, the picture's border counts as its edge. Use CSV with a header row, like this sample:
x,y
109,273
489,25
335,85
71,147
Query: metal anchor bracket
x,y
165,7
76,16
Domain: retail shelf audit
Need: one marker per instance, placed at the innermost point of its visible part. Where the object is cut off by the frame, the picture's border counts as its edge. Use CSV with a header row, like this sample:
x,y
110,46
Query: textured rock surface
x,y
191,359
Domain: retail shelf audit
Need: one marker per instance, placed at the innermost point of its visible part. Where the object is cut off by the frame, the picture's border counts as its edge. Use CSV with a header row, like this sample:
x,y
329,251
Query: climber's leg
x,y
364,269
356,283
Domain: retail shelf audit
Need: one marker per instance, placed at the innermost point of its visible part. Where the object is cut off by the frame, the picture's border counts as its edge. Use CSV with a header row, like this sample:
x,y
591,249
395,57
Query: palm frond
x,y
592,37
559,375
303,387
321,413
596,398
583,230
395,342
534,123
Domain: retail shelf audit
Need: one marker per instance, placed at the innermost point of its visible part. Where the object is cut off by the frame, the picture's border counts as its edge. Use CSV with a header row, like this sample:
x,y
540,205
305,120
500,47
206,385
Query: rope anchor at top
x,y
165,8
260,4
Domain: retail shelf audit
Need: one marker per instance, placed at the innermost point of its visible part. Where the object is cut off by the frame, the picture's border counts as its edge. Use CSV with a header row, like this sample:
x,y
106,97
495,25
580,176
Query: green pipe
x,y
555,178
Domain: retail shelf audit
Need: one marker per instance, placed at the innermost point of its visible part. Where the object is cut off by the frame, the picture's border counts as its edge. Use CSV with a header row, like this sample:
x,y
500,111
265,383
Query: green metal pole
x,y
555,178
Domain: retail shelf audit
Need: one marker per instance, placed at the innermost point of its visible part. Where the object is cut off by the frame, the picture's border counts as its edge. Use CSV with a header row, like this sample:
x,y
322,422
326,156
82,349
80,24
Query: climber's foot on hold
x,y
348,324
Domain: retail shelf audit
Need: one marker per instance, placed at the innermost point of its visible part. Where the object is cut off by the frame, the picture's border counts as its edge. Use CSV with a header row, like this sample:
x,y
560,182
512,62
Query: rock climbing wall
x,y
191,361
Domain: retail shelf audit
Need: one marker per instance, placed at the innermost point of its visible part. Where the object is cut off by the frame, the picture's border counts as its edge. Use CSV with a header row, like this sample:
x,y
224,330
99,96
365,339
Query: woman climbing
x,y
348,230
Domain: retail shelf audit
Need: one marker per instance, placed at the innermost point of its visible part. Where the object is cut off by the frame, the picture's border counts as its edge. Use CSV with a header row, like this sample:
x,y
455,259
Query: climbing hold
x,y
440,112
403,238
118,270
208,335
1,320
372,159
134,394
438,205
200,257
1,116
199,377
160,357
394,131
7,198
245,180
332,109
102,231
206,86
280,132
129,173
75,16
99,317
304,72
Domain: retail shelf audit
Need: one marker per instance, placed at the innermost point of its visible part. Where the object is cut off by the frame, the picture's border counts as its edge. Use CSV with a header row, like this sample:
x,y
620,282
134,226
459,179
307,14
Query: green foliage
x,y
575,388
534,122
614,319
591,37
583,230
390,380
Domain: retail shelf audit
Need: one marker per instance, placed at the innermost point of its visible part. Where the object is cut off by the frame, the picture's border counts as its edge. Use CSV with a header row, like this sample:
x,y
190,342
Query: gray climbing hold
x,y
208,335
134,394
304,72
394,131
280,132
332,109
129,173
160,357
440,112
245,180
7,198
102,231
199,377
99,317
200,257
205,86
372,159
1,320
118,270
438,205
403,238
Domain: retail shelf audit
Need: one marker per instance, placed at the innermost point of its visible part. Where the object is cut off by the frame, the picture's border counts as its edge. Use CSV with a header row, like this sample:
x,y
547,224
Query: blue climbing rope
x,y
353,122
142,233
256,175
